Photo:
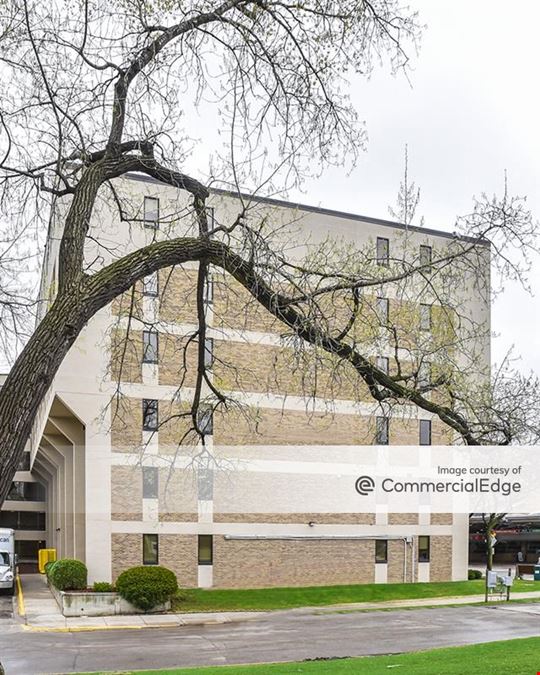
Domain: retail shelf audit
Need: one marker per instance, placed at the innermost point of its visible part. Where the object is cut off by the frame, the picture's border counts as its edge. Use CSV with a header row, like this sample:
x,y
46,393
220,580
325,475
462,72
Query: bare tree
x,y
104,90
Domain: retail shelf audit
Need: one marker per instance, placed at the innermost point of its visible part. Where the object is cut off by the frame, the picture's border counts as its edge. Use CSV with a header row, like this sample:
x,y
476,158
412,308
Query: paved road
x,y
278,638
6,608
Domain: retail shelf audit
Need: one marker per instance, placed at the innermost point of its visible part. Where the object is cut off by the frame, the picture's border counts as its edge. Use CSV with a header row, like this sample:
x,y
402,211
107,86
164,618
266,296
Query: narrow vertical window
x,y
425,317
424,374
383,251
150,549
151,285
425,257
423,548
208,290
150,414
150,346
208,352
383,310
205,421
383,363
381,431
381,550
206,549
151,212
150,477
425,432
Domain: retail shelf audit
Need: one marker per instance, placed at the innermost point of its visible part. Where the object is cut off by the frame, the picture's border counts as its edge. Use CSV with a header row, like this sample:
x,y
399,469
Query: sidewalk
x,y
43,614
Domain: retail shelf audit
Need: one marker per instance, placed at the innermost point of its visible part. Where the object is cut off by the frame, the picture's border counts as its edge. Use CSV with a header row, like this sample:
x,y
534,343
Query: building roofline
x,y
326,212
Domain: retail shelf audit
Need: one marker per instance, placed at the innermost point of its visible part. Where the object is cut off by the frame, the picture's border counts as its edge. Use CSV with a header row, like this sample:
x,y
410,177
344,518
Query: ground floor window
x,y
150,549
206,549
423,549
381,551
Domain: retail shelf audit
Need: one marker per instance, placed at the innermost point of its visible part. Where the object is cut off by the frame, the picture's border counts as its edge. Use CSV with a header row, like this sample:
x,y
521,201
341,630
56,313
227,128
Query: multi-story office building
x,y
110,441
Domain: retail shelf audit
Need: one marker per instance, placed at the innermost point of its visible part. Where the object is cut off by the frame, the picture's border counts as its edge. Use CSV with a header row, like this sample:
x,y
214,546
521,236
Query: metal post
x,y
508,587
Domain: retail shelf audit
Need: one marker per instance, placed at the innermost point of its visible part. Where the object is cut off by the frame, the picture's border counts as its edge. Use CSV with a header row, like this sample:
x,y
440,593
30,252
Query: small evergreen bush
x,y
475,574
68,575
147,586
103,587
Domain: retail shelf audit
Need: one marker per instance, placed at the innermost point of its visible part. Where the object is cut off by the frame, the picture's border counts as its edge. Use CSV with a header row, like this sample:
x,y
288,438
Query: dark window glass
x,y
23,491
150,414
208,352
425,256
151,212
24,464
30,520
383,310
381,435
9,519
383,251
151,285
206,549
150,549
425,432
150,477
425,317
205,421
381,551
423,549
210,217
150,346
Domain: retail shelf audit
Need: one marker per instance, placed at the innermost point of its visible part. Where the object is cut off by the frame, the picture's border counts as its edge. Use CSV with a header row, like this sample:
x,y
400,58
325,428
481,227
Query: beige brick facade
x,y
440,558
126,493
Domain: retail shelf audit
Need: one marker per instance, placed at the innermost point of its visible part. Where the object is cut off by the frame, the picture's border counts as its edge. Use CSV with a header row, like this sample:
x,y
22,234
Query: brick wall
x,y
440,568
126,493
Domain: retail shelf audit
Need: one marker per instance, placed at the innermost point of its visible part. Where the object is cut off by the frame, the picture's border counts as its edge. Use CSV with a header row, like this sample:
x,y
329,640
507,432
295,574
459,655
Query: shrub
x,y
103,587
68,575
146,587
48,567
475,574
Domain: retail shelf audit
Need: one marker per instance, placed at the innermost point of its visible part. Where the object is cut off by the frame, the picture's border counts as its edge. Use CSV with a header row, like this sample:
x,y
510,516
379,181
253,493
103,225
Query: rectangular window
x,y
151,212
150,549
150,346
381,432
150,482
383,251
23,520
150,414
383,363
425,257
425,317
208,352
423,548
205,421
383,310
151,285
210,217
205,484
26,491
381,551
206,549
425,432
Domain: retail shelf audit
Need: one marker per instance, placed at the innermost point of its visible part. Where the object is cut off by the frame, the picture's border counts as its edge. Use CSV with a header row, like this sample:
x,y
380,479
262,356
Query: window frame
x,y
146,403
383,302
426,249
155,537
151,224
205,420
208,352
146,345
424,553
384,559
383,251
208,290
200,560
426,424
379,419
383,363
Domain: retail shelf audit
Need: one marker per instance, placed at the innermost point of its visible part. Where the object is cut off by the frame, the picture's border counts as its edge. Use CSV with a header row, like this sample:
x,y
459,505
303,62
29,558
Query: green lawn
x,y
201,600
493,658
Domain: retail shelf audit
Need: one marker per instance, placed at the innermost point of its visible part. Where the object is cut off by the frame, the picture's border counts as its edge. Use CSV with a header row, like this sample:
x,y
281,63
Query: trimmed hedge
x,y
68,575
475,574
48,567
103,587
147,586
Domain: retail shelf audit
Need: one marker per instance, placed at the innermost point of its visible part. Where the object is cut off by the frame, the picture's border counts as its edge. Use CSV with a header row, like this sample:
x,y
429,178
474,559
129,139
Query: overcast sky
x,y
471,110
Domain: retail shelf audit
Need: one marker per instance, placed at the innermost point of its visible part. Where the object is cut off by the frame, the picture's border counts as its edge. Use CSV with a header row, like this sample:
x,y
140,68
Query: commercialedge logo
x,y
365,484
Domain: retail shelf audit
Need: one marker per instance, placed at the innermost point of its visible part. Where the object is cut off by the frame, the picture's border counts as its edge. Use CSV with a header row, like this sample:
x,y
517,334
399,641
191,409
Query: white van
x,y
7,561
